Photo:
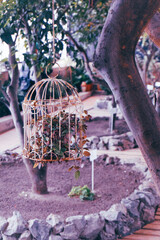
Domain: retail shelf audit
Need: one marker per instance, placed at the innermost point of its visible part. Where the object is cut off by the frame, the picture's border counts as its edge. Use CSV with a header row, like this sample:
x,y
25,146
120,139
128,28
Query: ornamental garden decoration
x,y
54,122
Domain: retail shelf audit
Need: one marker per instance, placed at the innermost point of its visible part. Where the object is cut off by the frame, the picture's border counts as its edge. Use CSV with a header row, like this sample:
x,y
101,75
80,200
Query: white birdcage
x,y
54,122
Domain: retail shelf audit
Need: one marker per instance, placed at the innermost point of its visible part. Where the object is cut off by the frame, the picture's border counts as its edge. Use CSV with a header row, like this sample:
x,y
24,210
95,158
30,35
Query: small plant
x,y
84,193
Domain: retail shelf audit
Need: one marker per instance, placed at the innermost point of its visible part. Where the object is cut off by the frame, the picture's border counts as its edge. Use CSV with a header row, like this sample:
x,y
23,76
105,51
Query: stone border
x,y
122,219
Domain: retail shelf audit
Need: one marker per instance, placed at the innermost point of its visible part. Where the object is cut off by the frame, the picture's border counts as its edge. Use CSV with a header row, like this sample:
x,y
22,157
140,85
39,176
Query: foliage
x,y
87,31
84,193
32,21
79,75
50,138
147,56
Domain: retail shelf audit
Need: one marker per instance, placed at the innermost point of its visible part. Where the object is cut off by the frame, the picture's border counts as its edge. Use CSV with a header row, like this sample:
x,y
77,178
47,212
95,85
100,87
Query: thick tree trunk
x,y
38,176
114,58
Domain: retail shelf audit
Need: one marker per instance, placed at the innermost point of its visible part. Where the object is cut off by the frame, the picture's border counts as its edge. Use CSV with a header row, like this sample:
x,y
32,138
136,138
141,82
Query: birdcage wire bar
x,y
53,122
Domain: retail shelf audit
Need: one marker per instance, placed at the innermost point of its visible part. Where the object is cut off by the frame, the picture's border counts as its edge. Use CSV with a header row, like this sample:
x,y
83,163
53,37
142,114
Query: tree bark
x,y
115,59
12,93
38,176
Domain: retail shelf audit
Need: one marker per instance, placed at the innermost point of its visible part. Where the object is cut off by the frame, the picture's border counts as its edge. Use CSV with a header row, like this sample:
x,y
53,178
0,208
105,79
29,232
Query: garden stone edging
x,y
122,219
118,142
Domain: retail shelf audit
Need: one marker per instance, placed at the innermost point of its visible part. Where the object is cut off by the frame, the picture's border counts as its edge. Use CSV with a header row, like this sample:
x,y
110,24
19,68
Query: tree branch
x,y
62,14
4,94
86,60
5,102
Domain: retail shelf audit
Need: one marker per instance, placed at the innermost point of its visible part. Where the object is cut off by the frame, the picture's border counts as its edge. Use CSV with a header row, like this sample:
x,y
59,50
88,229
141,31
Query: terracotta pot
x,y
98,87
86,87
89,87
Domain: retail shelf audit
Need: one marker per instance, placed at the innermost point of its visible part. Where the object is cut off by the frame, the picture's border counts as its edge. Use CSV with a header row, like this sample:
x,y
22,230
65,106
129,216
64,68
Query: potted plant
x,y
86,84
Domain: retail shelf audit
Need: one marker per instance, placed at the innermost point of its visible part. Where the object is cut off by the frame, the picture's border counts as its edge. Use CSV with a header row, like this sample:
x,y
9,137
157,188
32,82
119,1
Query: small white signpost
x,y
113,112
93,156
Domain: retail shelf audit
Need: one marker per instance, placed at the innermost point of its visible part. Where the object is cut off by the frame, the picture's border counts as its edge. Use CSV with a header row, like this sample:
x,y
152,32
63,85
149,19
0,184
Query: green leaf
x,y
77,174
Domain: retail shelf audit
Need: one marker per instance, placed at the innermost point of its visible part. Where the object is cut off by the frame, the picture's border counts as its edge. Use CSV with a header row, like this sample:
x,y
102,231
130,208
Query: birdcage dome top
x,y
52,91
53,122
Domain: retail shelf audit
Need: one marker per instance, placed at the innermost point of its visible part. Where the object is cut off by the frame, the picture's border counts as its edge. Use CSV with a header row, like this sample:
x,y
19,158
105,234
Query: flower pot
x,y
86,87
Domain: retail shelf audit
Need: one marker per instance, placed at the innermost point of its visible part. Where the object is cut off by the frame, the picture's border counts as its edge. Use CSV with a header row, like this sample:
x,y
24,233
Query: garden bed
x,y
112,183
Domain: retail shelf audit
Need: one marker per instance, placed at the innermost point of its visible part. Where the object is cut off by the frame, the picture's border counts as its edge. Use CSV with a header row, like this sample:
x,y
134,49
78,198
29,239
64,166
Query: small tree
x,y
10,25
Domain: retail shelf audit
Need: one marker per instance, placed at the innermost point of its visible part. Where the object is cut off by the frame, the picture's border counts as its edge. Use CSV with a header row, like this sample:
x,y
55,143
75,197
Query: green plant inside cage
x,y
51,134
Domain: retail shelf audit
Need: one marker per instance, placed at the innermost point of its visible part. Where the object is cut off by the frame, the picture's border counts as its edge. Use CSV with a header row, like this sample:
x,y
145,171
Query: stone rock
x,y
39,229
16,224
94,139
105,139
146,197
136,225
57,222
132,207
102,103
110,228
140,208
26,235
94,143
148,214
112,160
101,145
106,236
127,144
4,237
70,232
94,225
3,224
55,237
123,230
79,221
114,213
148,186
121,142
101,159
130,137
115,144
127,224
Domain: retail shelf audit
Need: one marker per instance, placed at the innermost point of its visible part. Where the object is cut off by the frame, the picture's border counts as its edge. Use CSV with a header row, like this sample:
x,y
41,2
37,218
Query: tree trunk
x,y
115,59
12,93
38,176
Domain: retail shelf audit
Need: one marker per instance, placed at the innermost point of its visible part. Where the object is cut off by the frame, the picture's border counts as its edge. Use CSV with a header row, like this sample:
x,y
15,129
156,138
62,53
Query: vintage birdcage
x,y
54,122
